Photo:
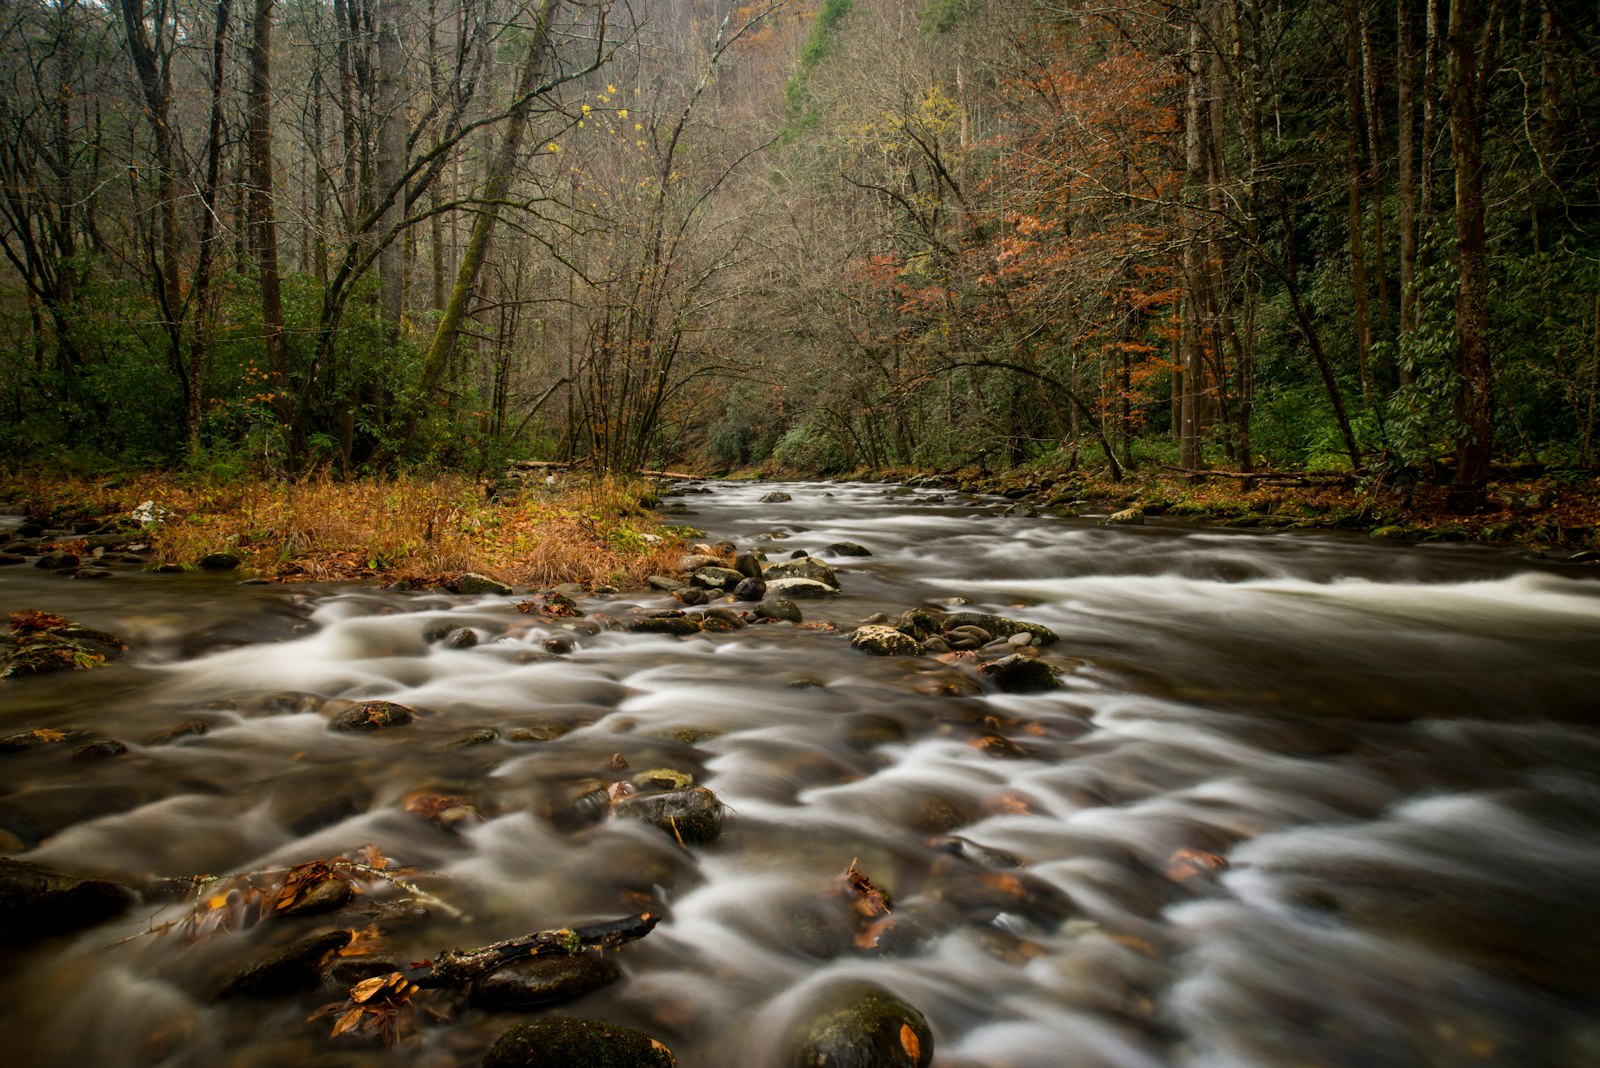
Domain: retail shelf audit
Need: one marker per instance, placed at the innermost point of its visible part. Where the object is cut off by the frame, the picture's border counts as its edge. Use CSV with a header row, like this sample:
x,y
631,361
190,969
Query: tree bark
x,y
263,214
1406,177
1469,73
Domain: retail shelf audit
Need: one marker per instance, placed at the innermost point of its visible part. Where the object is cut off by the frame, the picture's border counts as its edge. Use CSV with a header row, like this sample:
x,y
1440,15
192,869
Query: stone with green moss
x,y
859,1025
1000,626
884,641
692,816
561,1042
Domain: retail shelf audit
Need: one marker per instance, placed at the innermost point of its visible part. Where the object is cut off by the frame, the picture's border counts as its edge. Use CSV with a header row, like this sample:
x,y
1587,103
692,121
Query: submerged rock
x,y
559,1042
692,816
884,641
39,902
860,1025
37,643
371,716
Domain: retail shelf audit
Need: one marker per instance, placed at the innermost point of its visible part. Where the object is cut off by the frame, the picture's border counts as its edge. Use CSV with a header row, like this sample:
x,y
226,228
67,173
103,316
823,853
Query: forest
x,y
370,235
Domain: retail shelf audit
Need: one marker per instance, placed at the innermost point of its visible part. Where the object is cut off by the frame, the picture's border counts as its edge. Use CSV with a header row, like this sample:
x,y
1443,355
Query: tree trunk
x,y
1407,176
496,186
1358,268
1474,402
263,215
391,163
1189,452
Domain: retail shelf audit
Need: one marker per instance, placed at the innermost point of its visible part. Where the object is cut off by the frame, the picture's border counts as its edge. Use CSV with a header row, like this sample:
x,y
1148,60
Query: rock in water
x,y
1127,517
298,966
806,567
1020,674
474,583
884,641
860,1025
36,643
692,816
543,980
371,716
750,589
716,578
846,548
1000,626
559,1042
218,562
37,902
775,497
800,587
748,565
778,608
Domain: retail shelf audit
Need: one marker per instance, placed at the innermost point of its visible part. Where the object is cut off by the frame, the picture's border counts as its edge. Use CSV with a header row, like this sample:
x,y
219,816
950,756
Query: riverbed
x,y
1300,799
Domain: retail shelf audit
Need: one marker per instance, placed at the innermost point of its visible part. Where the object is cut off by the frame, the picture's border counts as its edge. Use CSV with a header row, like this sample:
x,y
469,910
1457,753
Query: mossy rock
x,y
806,567
679,624
884,641
1020,674
1127,517
475,584
38,643
561,1042
371,716
917,623
860,1025
1389,531
1000,626
692,816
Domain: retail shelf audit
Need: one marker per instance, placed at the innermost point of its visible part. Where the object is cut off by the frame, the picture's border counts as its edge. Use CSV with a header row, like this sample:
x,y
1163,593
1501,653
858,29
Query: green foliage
x,y
806,448
818,47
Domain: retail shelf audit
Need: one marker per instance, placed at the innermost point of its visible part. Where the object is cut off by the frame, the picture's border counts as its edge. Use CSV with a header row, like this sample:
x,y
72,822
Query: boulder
x,y
804,588
748,565
859,1025
664,583
846,548
543,980
780,609
371,716
918,623
808,567
37,643
218,562
296,967
1000,626
692,816
1127,517
38,902
560,1042
717,578
1020,674
689,563
884,641
750,589
58,560
775,497
475,584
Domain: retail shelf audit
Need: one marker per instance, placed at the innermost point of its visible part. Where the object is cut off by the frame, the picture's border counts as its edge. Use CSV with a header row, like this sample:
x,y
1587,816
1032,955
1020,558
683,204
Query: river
x,y
1303,799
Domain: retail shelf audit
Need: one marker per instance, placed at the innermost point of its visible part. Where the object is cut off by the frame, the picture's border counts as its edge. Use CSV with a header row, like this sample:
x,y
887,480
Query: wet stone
x,y
475,584
12,558
805,567
673,624
1000,626
465,638
1020,674
371,716
56,561
690,595
778,608
326,896
775,497
481,736
38,902
294,968
804,588
859,1025
558,646
542,981
218,562
717,578
560,1042
1127,517
538,732
846,548
884,641
42,736
748,565
750,589
693,816
91,573
99,749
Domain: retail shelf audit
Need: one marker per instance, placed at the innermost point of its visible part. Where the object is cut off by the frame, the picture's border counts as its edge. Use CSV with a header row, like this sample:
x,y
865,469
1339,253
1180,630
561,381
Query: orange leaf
x,y
910,1043
348,1020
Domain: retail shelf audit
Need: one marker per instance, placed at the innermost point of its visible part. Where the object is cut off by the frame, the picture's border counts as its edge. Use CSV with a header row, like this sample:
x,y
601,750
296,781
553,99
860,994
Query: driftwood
x,y
462,966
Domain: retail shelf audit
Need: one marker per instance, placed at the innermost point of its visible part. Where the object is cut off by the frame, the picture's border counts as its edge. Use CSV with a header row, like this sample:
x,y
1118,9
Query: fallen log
x,y
462,966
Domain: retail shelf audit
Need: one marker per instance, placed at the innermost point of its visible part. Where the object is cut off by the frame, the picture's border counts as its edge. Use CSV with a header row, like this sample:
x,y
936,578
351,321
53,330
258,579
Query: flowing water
x,y
1303,800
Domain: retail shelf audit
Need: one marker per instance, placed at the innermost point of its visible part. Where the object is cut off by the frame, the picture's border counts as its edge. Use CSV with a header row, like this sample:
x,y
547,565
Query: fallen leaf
x,y
910,1043
348,1020
1186,863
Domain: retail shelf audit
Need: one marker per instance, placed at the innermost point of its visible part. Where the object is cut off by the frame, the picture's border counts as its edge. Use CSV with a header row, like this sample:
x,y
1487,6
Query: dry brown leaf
x,y
1186,863
348,1020
864,896
363,991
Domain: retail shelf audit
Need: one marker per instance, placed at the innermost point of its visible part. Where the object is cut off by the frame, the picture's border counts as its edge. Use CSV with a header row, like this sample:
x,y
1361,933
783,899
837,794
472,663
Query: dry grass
x,y
591,532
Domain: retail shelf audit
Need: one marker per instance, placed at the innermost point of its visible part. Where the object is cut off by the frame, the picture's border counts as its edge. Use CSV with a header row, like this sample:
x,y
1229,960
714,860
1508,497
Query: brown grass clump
x,y
589,531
